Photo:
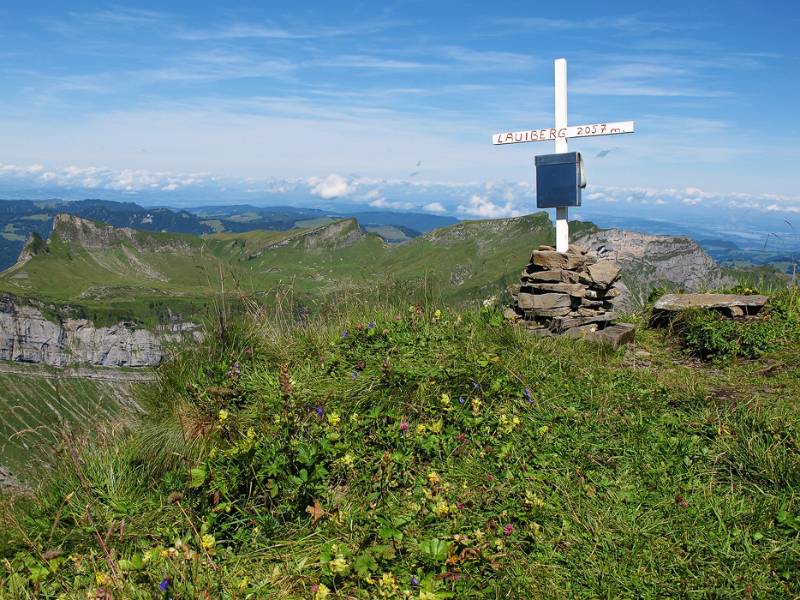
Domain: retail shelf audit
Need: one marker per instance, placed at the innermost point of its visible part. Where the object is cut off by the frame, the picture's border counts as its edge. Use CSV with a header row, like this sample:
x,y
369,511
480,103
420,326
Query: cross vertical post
x,y
562,212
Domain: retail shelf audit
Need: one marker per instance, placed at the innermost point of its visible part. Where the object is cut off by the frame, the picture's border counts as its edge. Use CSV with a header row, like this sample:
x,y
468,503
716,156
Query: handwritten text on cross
x,y
552,134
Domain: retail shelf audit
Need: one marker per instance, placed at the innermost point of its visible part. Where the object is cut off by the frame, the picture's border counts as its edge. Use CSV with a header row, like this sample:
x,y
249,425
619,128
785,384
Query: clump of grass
x,y
709,335
414,452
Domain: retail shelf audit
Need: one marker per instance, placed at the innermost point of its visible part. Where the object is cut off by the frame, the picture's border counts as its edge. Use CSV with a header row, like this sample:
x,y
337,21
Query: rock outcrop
x,y
650,261
26,335
92,235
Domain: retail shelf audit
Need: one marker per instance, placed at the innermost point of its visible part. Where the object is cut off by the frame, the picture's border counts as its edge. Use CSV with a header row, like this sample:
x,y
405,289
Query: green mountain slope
x,y
100,270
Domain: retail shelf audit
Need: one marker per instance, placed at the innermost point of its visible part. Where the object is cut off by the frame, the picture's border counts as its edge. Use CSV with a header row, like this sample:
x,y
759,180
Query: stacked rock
x,y
565,293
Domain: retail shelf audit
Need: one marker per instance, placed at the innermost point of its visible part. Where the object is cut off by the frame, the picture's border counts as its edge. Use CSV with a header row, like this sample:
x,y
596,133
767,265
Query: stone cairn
x,y
565,293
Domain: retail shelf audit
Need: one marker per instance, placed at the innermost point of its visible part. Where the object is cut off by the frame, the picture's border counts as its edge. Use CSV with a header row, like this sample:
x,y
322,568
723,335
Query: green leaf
x,y
198,475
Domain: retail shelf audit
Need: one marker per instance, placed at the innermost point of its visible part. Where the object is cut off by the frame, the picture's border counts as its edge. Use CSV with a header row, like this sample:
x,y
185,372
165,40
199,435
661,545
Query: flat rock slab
x,y
615,336
678,302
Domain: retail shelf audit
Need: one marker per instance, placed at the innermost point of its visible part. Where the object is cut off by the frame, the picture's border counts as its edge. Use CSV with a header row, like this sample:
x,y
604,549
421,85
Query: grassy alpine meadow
x,y
424,452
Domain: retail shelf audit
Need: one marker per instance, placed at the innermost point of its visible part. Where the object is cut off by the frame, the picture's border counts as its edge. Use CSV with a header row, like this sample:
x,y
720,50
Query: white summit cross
x,y
559,134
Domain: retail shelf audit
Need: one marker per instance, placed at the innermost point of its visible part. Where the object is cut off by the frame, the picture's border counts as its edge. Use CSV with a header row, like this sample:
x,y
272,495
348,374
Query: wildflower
x,y
404,425
459,505
461,400
371,325
437,315
101,578
423,595
437,426
354,418
322,592
360,327
345,334
164,585
476,406
543,430
251,433
475,385
339,565
433,478
354,375
527,393
334,419
388,580
248,352
421,428
223,415
398,318
347,460
208,542
441,508
445,400
320,411
508,529
276,419
489,302
414,581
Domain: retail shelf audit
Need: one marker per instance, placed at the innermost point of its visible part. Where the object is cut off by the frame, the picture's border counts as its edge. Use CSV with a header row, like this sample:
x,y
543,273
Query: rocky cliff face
x,y
99,236
26,335
650,261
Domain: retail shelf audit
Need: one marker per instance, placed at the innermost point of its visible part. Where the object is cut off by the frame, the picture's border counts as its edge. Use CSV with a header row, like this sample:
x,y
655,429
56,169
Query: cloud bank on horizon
x,y
464,199
392,107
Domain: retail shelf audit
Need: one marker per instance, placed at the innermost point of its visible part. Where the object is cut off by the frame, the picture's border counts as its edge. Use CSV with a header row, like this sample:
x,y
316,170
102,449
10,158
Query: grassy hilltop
x,y
423,452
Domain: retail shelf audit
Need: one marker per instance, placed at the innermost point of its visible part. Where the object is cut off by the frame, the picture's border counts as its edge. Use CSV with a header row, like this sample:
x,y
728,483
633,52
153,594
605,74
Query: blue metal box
x,y
559,180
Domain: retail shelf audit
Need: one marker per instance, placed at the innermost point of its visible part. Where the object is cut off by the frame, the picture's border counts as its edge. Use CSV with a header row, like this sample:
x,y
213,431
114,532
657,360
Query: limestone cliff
x,y
650,261
26,335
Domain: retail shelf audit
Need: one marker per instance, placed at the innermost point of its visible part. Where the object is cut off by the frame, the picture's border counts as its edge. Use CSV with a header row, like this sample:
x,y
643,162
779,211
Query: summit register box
x,y
559,180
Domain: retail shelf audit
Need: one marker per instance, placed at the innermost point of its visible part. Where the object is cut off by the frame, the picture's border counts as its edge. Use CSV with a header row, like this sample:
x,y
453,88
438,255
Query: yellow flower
x,y
339,565
276,419
543,430
437,316
101,578
223,415
476,406
334,419
322,592
354,418
243,583
388,580
433,478
446,405
441,508
208,542
347,460
421,428
251,433
437,427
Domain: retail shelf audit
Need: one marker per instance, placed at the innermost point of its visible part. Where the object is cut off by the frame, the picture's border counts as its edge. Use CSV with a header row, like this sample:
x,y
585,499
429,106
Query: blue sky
x,y
392,104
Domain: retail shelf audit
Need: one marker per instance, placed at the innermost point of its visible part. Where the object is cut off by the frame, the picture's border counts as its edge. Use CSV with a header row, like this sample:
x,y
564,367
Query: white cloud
x,y
481,206
435,207
384,203
333,186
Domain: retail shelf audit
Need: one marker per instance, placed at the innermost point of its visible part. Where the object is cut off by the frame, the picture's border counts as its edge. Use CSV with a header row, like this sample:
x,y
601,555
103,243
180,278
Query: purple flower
x,y
164,586
461,400
355,375
320,411
475,385
527,394
371,325
414,581
345,334
404,425
508,529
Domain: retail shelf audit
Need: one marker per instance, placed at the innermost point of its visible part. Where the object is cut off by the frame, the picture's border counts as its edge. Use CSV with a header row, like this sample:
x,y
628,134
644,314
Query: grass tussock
x,y
421,453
